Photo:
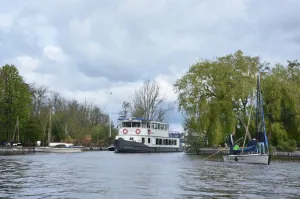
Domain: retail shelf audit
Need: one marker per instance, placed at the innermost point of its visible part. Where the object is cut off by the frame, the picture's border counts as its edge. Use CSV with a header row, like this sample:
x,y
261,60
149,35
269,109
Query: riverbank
x,y
225,151
28,150
16,150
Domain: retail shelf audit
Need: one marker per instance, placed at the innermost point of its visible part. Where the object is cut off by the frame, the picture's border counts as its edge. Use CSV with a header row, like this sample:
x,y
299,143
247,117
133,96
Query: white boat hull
x,y
58,150
248,158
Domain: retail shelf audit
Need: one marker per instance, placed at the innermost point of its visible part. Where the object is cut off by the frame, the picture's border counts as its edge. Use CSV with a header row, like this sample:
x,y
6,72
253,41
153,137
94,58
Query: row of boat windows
x,y
160,126
160,141
166,142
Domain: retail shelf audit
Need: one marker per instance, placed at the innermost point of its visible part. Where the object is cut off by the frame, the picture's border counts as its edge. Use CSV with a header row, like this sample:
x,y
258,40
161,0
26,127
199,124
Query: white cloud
x,y
54,53
27,65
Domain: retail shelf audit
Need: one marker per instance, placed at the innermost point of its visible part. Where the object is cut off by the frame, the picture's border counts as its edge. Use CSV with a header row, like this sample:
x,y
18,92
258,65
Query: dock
x,y
16,150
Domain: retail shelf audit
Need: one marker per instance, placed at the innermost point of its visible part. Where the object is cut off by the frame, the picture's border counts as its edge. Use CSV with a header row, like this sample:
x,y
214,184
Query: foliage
x,y
71,120
15,100
216,98
214,95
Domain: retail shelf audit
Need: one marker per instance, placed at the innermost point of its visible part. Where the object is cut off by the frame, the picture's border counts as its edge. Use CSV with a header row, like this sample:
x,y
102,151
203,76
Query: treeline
x,y
216,96
25,111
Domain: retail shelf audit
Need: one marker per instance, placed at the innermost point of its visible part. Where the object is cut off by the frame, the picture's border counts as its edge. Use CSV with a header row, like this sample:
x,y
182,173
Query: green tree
x,y
214,95
281,90
15,99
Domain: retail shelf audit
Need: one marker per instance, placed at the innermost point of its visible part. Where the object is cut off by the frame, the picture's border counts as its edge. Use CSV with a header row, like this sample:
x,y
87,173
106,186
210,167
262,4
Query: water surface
x,y
91,175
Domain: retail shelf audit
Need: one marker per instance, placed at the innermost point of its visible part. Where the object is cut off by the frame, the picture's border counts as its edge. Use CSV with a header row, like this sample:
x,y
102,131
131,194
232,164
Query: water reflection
x,y
109,175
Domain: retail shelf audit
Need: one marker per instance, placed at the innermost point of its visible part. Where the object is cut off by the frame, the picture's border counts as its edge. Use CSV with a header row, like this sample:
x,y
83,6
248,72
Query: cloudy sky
x,y
89,48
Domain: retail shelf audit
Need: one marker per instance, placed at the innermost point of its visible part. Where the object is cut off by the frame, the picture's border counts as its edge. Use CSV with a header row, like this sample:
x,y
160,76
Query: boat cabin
x,y
141,126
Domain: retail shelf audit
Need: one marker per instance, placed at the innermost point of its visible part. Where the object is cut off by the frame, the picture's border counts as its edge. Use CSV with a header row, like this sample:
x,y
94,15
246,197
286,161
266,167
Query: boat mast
x,y
110,119
18,132
66,130
257,105
49,130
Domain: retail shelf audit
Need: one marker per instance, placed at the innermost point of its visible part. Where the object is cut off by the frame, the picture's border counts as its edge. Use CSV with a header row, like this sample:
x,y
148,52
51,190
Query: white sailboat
x,y
57,147
249,154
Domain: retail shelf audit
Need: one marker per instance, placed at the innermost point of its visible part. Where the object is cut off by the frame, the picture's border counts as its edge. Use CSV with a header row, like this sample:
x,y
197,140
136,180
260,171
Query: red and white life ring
x,y
138,131
125,131
149,131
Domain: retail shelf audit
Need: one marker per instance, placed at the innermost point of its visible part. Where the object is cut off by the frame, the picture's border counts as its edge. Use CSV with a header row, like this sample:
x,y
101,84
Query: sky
x,y
87,49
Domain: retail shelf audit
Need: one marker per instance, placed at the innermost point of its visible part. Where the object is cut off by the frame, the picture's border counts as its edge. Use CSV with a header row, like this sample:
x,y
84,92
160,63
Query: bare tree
x,y
148,102
39,98
125,109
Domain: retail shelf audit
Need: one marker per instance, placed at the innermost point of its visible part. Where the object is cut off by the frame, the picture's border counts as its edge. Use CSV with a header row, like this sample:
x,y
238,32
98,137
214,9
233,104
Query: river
x,y
90,175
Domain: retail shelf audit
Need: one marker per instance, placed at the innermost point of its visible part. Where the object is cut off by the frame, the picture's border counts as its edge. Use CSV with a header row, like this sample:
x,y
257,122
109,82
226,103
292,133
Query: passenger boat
x,y
139,135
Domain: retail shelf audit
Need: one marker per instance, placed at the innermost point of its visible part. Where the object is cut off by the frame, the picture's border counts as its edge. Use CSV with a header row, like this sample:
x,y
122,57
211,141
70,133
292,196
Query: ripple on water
x,y
109,175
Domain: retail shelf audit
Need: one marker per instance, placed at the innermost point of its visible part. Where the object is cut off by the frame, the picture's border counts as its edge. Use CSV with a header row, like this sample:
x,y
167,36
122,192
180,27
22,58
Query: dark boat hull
x,y
111,148
124,146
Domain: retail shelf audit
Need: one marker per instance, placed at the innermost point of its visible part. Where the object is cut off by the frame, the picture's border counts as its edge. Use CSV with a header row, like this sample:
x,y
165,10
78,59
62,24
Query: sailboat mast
x,y
66,130
50,123
257,105
18,132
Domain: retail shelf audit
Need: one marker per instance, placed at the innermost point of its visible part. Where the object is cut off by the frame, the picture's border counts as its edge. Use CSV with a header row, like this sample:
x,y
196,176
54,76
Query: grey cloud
x,y
109,42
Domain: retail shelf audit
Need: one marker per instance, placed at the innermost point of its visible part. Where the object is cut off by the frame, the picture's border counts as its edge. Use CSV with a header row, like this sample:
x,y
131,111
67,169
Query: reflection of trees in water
x,y
12,174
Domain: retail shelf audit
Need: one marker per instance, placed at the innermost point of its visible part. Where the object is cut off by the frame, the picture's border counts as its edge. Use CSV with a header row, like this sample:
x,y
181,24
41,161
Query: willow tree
x,y
281,90
215,95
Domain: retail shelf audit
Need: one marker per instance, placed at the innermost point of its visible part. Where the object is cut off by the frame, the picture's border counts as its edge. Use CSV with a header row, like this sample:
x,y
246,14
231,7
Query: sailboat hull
x,y
248,158
58,150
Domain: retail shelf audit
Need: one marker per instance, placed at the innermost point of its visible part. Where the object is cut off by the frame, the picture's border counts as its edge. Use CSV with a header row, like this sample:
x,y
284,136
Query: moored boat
x,y
251,154
139,135
59,148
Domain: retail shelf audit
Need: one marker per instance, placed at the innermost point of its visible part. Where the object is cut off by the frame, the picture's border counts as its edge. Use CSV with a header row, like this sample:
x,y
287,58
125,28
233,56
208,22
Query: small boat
x,y
57,147
250,154
60,148
111,148
139,135
248,158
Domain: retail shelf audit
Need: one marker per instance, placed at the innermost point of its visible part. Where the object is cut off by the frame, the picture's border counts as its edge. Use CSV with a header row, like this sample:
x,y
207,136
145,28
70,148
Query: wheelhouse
x,y
142,123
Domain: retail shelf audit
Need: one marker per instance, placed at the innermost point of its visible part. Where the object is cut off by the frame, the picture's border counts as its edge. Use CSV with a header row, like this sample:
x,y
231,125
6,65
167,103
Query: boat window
x,y
175,142
136,124
143,140
162,126
130,138
160,141
157,141
144,125
169,142
148,125
149,140
158,126
155,125
152,125
126,124
166,142
172,142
